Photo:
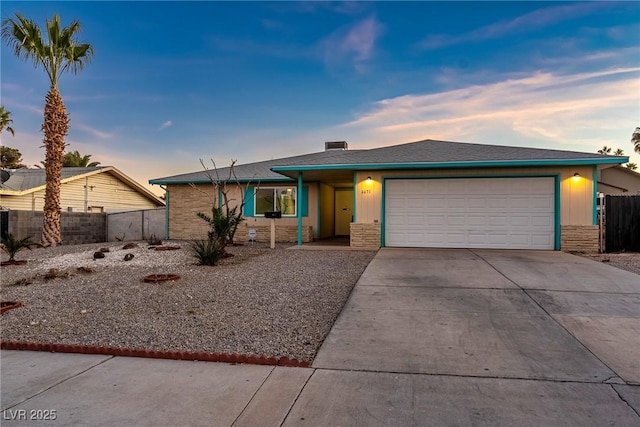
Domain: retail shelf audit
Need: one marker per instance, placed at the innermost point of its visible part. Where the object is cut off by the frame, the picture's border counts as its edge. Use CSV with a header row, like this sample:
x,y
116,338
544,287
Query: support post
x,y
273,233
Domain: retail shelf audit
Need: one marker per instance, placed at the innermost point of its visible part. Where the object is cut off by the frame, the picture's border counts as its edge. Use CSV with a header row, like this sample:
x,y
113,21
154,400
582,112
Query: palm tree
x,y
5,120
58,53
605,150
635,140
76,160
631,166
618,152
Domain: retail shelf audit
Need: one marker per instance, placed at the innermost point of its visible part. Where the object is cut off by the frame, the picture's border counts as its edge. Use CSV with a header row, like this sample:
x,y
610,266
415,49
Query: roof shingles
x,y
426,152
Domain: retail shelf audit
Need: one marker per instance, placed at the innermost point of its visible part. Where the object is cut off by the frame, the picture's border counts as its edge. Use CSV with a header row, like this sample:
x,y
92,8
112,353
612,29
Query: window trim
x,y
274,189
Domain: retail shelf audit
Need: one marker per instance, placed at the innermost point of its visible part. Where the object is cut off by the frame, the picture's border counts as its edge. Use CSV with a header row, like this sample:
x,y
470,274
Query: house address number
x,y
366,191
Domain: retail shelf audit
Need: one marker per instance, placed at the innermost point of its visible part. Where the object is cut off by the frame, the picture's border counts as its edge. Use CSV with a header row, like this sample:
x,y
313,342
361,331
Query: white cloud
x,y
580,111
91,130
531,21
353,45
165,125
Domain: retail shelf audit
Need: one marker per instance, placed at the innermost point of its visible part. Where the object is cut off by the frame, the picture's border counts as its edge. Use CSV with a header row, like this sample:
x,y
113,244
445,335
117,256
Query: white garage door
x,y
509,213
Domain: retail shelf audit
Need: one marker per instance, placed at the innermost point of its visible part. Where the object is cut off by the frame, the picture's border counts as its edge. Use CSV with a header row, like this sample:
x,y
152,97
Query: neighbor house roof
x,y
25,181
420,154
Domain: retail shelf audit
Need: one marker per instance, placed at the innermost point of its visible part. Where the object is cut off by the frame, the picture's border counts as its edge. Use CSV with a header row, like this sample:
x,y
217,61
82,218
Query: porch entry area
x,y
336,211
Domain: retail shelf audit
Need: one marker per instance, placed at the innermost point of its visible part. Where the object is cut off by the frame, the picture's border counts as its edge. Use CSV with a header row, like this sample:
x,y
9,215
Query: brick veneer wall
x,y
185,202
77,227
365,235
579,238
284,233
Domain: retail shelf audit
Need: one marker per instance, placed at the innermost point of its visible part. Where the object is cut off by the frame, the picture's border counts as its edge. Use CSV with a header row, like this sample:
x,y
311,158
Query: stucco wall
x,y
618,180
136,225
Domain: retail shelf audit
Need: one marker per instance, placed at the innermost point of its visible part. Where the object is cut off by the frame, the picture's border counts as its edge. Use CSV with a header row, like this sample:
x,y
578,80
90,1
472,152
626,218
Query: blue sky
x,y
174,82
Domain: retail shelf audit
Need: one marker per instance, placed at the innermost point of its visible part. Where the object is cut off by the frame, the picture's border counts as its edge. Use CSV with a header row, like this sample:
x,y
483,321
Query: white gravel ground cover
x,y
271,302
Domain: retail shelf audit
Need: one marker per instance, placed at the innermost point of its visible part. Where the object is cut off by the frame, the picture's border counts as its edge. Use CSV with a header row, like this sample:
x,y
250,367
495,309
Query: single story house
x,y
619,180
421,194
90,189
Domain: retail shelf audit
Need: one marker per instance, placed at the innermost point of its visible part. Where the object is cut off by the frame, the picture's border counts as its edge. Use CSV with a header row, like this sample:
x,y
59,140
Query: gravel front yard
x,y
624,261
265,302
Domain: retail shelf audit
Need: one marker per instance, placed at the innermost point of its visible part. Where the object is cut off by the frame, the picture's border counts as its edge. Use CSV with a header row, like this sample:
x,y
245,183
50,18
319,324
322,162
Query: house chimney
x,y
336,145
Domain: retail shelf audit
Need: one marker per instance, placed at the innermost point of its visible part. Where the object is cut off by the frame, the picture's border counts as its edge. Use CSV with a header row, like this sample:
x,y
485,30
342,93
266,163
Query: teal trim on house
x,y
249,205
471,164
557,207
594,177
382,216
299,211
304,201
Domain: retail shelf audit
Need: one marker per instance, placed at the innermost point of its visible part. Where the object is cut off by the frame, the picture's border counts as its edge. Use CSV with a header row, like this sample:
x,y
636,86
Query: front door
x,y
344,212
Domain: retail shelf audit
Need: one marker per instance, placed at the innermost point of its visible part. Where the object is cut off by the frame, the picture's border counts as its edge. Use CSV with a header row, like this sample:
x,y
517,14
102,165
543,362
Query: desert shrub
x,y
12,246
207,252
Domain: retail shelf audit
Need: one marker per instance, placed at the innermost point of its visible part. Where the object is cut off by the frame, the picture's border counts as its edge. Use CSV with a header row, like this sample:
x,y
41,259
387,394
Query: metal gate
x,y
4,223
622,230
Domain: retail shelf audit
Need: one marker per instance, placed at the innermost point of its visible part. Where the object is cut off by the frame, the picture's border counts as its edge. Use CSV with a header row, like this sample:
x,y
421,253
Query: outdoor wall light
x,y
369,180
576,176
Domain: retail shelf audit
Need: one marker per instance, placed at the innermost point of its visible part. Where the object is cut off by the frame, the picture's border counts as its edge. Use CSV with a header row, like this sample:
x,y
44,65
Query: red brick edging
x,y
155,354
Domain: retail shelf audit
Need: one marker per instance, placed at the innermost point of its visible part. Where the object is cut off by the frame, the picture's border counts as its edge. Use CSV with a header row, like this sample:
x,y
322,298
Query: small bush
x,y
207,252
12,246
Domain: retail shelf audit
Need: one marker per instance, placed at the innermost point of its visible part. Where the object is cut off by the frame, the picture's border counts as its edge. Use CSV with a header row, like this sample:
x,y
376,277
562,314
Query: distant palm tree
x,y
77,160
635,140
5,120
605,150
618,152
59,53
632,166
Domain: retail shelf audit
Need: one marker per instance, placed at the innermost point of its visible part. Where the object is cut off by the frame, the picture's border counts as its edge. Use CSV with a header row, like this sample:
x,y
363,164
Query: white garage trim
x,y
512,212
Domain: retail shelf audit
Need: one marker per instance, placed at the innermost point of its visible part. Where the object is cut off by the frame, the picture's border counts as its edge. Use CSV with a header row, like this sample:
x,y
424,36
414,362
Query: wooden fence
x,y
622,230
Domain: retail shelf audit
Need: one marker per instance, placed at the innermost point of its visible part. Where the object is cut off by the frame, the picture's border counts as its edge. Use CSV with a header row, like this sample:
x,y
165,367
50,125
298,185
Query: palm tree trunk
x,y
56,125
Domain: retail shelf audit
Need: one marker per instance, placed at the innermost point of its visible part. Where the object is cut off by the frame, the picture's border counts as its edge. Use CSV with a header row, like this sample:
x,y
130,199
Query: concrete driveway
x,y
428,337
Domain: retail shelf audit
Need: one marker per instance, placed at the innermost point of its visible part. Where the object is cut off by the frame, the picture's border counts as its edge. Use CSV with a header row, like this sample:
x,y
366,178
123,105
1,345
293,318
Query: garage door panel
x,y
471,212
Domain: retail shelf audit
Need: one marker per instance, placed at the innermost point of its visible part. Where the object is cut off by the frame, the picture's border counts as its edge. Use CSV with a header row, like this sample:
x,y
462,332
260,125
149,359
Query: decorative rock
x,y
128,257
98,254
104,250
130,246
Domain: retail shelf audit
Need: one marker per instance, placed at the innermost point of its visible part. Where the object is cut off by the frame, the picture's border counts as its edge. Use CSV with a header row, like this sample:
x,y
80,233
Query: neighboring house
x,y
92,189
421,194
619,180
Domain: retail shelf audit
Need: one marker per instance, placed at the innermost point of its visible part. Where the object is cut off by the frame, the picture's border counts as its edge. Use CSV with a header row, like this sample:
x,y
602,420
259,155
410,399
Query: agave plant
x,y
12,246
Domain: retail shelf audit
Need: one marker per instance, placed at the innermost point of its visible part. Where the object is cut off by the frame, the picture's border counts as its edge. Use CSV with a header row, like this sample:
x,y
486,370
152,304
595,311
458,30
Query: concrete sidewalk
x,y
428,337
91,390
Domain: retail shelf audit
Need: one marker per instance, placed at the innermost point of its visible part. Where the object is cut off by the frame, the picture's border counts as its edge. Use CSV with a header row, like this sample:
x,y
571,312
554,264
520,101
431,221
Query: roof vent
x,y
336,145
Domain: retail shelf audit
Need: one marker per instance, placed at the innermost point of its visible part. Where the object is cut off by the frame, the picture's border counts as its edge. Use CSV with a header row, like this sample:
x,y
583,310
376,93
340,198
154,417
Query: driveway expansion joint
x,y
489,377
77,374
625,401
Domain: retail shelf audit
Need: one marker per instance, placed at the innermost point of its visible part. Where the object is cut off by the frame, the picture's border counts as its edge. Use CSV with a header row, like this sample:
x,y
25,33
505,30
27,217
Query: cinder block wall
x,y
365,235
77,227
579,238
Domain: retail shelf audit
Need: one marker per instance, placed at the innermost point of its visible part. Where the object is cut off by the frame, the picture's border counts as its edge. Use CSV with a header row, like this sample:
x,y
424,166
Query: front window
x,y
281,199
